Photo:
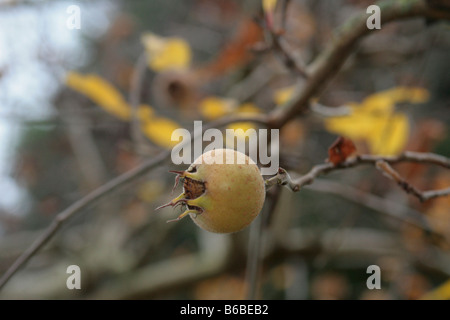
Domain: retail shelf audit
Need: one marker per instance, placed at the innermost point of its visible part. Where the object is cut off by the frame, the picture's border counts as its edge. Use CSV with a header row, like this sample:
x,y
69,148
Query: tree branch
x,y
285,55
332,59
391,173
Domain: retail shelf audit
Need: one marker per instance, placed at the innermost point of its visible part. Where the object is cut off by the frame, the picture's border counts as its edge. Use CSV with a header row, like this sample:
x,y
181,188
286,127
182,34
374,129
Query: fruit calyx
x,y
192,189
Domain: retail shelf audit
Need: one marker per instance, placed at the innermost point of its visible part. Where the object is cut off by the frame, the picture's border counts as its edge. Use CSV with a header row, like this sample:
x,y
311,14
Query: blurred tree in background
x,y
80,107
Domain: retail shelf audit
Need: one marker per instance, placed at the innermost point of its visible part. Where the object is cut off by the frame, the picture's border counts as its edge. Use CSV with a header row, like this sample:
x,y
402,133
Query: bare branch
x,y
285,54
78,206
107,189
431,194
278,45
391,173
381,162
408,156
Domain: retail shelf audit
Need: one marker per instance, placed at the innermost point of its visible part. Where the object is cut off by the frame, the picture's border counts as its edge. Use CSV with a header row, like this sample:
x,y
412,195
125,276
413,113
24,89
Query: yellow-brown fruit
x,y
223,191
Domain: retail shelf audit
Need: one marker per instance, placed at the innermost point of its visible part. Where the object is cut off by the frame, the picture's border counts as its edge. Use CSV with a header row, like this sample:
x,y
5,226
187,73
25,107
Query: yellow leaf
x,y
159,130
408,94
166,53
214,107
101,92
269,5
283,95
240,135
355,126
377,104
376,121
145,112
385,134
389,135
244,126
244,108
440,293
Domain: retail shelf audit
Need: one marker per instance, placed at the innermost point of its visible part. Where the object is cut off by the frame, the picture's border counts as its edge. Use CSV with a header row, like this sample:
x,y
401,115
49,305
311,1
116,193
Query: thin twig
x,y
431,194
391,173
286,55
78,206
409,156
282,178
284,13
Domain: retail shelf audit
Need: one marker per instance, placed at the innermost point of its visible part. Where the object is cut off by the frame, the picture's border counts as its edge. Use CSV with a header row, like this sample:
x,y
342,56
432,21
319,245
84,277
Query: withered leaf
x,y
340,150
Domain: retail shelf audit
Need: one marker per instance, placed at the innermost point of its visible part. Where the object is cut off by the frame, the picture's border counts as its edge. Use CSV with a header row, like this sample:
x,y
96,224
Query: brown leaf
x,y
340,150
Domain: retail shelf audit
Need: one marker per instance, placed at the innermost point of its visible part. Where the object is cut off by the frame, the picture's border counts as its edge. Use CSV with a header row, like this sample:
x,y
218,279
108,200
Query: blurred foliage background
x,y
67,126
